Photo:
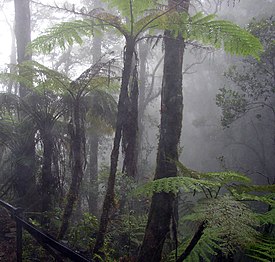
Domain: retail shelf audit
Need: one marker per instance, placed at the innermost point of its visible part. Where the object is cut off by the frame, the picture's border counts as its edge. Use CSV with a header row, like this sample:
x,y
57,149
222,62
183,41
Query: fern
x,y
263,249
63,35
223,34
234,221
267,217
260,193
138,6
175,185
193,181
206,247
205,29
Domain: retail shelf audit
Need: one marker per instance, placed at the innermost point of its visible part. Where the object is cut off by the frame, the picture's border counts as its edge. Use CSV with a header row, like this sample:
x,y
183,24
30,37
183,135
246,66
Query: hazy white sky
x,y
6,22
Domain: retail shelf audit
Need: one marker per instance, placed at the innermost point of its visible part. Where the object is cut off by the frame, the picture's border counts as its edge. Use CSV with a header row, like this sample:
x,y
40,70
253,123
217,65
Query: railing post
x,y
17,215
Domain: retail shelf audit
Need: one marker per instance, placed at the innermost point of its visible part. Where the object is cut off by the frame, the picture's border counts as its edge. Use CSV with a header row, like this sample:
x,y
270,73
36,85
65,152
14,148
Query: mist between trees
x,y
142,130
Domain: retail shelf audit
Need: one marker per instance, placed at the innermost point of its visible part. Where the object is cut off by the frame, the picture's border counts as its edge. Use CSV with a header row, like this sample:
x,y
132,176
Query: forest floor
x,y
7,237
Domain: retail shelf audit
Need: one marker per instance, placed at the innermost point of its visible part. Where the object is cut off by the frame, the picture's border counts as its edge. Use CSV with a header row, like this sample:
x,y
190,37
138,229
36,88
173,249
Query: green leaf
x,y
63,35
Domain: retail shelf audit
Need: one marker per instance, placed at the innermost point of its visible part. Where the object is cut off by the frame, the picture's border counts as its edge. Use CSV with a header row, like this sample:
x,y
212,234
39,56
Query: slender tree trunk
x,y
77,148
93,182
130,129
161,209
194,241
47,181
143,51
94,139
123,96
11,83
25,162
23,35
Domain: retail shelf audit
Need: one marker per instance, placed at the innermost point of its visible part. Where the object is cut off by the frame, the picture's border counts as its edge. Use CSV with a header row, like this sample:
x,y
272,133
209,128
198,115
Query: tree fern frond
x,y
207,246
224,34
139,7
63,35
263,249
230,219
174,185
15,78
44,77
267,217
268,199
226,177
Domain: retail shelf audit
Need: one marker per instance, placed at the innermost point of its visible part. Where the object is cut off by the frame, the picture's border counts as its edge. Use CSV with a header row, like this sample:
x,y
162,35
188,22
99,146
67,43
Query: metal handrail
x,y
41,237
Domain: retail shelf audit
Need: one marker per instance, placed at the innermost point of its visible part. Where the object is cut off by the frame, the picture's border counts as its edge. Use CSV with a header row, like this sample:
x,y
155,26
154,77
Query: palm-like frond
x,y
206,247
101,111
205,29
176,184
130,8
223,34
263,249
63,35
230,225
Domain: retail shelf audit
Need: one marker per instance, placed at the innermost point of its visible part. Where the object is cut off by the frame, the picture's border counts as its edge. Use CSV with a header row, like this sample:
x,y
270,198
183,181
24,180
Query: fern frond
x,y
232,221
268,199
224,34
207,246
263,249
139,7
174,185
260,193
267,217
63,35
226,177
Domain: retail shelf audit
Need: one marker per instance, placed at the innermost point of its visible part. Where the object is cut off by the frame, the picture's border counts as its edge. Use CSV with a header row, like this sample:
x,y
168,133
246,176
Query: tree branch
x,y
192,243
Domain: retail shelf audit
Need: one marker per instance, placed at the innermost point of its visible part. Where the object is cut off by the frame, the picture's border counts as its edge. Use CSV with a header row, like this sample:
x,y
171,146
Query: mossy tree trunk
x,y
25,184
161,210
121,117
47,178
77,137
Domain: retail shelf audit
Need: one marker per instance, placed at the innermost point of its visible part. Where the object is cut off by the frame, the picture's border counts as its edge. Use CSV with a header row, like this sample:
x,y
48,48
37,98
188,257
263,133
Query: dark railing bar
x,y
51,242
8,206
44,240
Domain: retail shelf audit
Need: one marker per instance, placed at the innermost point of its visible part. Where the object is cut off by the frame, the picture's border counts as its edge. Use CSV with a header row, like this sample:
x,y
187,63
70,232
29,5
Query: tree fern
x,y
205,29
132,7
263,249
193,181
175,185
223,34
206,247
63,35
230,226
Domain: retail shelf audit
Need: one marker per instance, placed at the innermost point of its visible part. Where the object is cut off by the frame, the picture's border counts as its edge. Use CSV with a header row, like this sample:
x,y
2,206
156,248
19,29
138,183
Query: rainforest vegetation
x,y
141,130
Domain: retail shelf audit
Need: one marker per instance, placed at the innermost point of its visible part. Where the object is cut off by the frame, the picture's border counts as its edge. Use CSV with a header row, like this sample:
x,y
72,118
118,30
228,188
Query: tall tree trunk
x,y
130,129
93,180
122,110
94,139
47,180
25,165
76,132
23,35
161,209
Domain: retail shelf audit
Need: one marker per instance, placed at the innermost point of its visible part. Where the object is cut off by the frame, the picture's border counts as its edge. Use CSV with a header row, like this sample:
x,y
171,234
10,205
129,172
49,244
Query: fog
x,y
79,143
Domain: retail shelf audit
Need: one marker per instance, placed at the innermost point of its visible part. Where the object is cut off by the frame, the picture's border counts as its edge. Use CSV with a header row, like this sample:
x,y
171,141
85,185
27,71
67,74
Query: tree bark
x,y
196,238
94,138
161,210
23,35
130,129
93,182
123,96
25,185
77,150
47,180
